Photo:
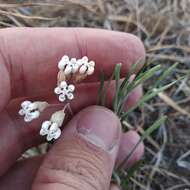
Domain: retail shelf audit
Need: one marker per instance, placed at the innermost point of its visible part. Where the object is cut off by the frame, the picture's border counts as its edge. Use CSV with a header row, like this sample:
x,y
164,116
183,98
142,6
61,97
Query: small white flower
x,y
51,129
31,110
68,66
65,91
86,66
63,62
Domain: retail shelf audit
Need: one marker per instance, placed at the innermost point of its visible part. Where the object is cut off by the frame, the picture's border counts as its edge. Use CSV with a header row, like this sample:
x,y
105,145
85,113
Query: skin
x,y
28,69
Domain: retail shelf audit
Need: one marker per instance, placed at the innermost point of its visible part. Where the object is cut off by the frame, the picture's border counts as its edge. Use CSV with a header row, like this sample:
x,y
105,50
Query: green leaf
x,y
117,86
164,75
153,127
146,75
123,92
146,97
129,73
142,77
116,178
106,87
130,172
147,133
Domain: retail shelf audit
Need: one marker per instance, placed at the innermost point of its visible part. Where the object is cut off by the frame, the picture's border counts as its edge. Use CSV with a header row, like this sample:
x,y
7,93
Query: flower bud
x,y
58,117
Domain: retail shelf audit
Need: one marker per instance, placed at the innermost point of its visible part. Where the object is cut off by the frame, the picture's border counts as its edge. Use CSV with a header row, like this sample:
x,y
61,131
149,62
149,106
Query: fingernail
x,y
100,126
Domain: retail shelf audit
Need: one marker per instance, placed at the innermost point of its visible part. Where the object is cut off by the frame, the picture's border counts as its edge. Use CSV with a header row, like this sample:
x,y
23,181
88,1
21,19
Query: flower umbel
x,y
86,67
83,65
71,70
31,110
68,66
65,91
50,129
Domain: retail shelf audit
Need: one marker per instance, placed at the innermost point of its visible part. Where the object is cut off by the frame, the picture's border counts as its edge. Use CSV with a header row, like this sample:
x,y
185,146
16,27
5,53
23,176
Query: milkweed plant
x,y
72,71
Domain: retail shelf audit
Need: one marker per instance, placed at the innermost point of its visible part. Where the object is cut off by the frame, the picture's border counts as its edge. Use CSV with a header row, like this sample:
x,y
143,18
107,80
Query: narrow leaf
x,y
117,86
147,97
164,75
146,75
146,134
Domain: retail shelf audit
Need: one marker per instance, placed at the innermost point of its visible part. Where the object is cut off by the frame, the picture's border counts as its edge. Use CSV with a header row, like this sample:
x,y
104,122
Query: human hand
x,y
92,143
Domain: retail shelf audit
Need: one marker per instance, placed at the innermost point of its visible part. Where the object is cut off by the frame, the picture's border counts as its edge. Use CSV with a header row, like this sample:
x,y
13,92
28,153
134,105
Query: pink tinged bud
x,y
62,98
57,90
68,70
90,70
21,112
75,68
92,63
62,64
71,87
25,104
45,127
85,58
63,84
70,96
82,69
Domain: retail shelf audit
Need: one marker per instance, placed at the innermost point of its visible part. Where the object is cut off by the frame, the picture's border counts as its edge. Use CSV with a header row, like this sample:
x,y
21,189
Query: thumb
x,y
84,157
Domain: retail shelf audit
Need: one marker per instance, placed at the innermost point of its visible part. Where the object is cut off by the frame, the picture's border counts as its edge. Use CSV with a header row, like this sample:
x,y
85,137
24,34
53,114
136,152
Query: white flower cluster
x,y
83,65
70,69
31,110
67,66
65,91
52,128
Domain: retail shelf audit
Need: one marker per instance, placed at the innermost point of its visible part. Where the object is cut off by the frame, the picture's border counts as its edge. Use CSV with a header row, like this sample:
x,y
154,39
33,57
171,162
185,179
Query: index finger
x,y
31,55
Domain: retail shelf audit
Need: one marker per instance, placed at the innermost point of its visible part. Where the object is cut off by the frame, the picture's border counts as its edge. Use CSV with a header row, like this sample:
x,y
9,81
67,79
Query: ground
x,y
163,26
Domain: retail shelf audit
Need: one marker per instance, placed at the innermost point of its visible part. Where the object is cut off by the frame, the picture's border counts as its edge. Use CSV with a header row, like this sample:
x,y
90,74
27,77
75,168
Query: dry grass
x,y
164,27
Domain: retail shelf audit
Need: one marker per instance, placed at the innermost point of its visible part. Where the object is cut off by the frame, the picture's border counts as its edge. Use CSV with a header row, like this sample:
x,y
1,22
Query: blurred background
x,y
164,28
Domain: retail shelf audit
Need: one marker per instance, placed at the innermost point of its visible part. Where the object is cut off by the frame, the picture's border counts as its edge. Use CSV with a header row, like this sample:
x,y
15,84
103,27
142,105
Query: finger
x,y
83,159
133,97
25,169
13,178
32,66
128,143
